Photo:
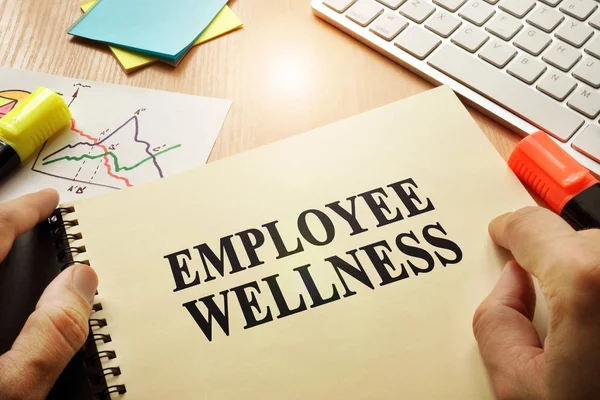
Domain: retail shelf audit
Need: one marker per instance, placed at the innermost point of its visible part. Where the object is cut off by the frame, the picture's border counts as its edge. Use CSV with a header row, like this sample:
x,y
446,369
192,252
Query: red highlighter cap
x,y
549,170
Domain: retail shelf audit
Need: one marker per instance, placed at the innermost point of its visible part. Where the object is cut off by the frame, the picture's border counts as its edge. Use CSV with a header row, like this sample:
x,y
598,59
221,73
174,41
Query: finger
x,y
52,335
508,342
536,237
21,215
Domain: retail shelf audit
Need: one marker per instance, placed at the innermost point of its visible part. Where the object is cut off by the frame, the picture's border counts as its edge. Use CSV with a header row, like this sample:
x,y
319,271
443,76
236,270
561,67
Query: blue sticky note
x,y
165,29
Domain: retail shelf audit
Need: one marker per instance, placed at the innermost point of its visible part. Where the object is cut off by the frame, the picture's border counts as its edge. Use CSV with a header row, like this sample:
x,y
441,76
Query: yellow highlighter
x,y
27,126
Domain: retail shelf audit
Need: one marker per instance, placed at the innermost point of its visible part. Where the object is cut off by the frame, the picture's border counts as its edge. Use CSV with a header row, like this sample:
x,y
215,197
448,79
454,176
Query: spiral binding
x,y
67,251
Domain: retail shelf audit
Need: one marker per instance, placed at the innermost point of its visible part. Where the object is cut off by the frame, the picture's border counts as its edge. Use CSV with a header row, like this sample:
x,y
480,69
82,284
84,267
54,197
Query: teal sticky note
x,y
160,28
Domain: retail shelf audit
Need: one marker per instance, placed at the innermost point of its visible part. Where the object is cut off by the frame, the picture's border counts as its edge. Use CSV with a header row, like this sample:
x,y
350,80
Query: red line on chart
x,y
106,159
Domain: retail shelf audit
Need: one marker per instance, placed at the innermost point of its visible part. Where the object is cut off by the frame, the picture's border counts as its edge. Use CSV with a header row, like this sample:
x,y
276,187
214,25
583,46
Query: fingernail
x,y
85,282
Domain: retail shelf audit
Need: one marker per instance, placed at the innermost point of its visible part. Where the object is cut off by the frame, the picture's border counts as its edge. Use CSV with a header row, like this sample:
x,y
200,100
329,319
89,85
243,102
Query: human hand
x,y
58,327
567,266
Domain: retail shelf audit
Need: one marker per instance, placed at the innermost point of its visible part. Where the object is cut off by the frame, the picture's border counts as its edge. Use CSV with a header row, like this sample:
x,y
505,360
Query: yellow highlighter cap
x,y
33,121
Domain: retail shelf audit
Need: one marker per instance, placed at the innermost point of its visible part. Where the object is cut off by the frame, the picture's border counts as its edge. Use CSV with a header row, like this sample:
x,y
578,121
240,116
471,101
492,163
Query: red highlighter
x,y
568,188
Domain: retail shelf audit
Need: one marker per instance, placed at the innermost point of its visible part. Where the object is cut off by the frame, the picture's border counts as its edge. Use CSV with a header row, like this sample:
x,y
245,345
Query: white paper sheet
x,y
120,136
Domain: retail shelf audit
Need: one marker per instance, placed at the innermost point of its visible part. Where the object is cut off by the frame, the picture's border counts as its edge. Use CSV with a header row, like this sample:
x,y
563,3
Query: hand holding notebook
x,y
566,264
350,270
58,327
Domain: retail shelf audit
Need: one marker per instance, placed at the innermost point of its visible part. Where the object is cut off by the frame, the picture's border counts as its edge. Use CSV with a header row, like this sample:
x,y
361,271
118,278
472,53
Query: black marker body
x,y
9,159
583,210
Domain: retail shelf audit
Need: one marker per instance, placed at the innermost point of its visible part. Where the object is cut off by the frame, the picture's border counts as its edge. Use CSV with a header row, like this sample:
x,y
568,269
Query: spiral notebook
x,y
343,263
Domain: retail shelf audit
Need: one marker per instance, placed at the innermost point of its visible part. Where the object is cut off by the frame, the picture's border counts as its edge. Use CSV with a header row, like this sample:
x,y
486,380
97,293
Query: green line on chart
x,y
114,157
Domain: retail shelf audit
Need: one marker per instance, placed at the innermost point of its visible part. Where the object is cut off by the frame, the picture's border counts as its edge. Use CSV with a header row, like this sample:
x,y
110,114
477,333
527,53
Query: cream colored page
x,y
408,339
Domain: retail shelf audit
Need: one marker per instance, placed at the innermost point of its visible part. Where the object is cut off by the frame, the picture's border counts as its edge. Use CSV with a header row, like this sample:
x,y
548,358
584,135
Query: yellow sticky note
x,y
226,21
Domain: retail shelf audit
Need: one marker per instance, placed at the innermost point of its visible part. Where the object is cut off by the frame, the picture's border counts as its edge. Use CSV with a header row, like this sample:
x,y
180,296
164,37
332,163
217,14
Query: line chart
x,y
120,136
114,158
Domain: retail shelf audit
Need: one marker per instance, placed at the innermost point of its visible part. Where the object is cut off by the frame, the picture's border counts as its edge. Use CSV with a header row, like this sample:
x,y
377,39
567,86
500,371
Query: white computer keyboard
x,y
533,65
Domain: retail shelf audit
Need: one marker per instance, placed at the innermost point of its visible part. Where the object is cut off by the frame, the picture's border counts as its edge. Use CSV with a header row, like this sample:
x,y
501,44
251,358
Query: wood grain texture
x,y
286,71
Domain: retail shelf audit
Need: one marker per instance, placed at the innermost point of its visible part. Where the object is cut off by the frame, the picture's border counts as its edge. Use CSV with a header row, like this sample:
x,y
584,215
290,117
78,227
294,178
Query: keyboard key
x,y
450,5
556,85
533,41
588,142
586,101
498,53
417,41
491,1
593,47
502,89
551,3
364,12
504,26
417,10
477,12
443,23
470,38
393,4
339,5
518,8
388,25
580,9
527,69
595,20
545,18
588,71
575,33
562,56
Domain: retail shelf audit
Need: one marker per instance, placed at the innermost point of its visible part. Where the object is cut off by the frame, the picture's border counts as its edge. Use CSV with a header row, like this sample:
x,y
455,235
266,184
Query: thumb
x,y
52,335
508,342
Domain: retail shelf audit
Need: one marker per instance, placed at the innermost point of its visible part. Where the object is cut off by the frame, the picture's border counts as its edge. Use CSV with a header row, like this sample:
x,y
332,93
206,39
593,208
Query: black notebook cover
x,y
30,266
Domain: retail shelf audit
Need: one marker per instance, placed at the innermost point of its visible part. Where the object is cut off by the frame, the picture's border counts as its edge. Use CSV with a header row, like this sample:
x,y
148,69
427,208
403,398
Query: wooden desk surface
x,y
286,71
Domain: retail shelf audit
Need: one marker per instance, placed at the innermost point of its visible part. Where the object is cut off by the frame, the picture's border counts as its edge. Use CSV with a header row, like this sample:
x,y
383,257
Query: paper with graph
x,y
120,136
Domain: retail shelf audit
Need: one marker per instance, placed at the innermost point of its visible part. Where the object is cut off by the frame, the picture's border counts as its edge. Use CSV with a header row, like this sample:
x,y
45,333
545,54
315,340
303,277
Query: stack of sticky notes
x,y
141,32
